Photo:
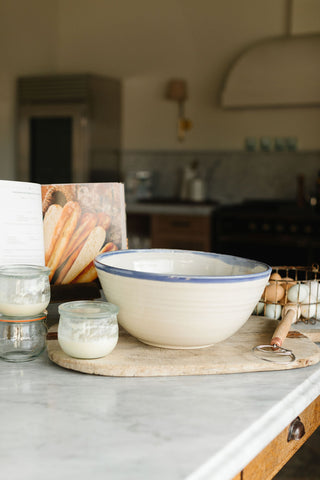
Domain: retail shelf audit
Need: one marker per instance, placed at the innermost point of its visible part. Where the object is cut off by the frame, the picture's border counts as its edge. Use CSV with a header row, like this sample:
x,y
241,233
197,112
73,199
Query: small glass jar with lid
x,y
88,328
24,289
22,338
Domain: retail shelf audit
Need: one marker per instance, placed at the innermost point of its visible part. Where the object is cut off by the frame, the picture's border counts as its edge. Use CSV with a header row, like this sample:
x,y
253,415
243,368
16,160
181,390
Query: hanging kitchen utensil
x,y
274,352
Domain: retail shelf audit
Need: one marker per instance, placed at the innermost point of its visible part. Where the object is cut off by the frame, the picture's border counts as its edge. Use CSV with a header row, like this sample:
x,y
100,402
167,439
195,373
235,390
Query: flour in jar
x,y
89,348
22,309
88,329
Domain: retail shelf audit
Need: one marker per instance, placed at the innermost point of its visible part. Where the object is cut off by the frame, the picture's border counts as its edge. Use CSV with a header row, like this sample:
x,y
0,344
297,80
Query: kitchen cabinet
x,y
187,232
278,233
170,226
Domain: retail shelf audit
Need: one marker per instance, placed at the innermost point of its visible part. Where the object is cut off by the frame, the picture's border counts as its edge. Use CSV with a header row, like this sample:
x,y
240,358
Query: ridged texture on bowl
x,y
181,313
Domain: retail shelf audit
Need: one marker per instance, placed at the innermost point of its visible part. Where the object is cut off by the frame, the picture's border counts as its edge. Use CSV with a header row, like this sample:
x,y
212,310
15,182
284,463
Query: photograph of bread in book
x,y
80,221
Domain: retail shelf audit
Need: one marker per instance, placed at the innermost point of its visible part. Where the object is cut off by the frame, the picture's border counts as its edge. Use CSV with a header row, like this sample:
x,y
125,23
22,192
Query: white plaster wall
x,y
28,38
146,43
305,16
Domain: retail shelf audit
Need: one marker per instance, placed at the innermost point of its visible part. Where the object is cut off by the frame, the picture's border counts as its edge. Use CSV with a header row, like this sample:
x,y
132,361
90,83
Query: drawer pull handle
x,y
296,430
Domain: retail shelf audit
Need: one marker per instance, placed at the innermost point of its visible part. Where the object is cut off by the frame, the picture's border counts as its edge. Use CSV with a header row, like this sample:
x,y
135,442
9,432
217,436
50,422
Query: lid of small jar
x,y
23,270
88,309
23,319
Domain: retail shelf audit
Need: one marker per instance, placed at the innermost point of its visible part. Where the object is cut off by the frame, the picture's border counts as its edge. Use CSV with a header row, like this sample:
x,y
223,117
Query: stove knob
x,y
252,227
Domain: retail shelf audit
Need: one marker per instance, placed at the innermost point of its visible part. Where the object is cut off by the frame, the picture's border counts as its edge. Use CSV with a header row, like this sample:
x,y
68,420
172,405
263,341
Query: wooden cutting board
x,y
312,331
131,358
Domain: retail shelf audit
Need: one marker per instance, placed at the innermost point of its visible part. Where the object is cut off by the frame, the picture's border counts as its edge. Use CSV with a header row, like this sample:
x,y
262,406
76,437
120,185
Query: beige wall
x,y
305,16
28,38
146,43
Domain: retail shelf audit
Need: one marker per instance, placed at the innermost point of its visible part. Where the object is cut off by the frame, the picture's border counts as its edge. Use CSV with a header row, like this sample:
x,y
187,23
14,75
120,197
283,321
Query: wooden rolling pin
x,y
290,314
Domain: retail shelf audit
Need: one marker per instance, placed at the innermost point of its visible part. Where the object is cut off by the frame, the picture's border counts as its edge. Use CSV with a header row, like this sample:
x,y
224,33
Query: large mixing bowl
x,y
181,299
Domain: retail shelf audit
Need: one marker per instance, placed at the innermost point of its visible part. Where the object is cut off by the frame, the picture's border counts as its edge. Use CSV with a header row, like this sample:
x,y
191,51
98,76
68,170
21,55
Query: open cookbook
x,y
63,226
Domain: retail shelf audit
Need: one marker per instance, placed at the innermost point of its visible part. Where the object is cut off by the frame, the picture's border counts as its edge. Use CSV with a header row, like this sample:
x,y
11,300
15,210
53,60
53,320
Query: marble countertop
x,y
149,208
57,423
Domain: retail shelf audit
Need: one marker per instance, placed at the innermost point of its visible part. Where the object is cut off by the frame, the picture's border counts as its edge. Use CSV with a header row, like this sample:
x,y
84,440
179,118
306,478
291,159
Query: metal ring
x,y
273,349
279,351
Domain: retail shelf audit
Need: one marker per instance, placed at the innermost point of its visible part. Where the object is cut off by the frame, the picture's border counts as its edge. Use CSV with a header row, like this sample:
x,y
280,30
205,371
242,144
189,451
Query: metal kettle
x,y
197,189
192,186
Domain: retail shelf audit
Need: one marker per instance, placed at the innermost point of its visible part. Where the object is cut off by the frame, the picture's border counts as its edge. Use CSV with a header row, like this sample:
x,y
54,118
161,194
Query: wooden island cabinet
x,y
279,451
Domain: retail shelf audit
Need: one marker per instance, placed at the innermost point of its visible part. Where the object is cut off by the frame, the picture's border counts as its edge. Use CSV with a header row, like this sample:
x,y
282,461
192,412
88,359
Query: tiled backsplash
x,y
230,176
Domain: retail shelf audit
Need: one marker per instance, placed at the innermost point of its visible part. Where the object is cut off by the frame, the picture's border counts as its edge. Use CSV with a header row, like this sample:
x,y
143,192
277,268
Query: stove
x,y
276,232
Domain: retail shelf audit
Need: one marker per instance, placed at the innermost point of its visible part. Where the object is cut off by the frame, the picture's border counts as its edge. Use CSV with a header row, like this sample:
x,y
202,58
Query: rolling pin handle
x,y
276,342
283,328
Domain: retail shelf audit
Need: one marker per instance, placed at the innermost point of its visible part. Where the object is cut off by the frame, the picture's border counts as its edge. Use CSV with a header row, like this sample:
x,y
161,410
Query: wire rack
x,y
297,285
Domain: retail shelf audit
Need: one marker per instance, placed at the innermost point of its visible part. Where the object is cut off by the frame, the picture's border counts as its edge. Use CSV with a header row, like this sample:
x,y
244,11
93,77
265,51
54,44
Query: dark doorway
x,y
51,149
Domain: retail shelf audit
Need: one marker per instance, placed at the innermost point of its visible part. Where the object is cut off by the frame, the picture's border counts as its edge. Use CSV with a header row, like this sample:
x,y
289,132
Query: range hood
x,y
278,72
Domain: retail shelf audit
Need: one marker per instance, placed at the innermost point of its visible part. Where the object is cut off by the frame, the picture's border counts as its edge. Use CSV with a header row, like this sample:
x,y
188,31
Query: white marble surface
x,y
61,424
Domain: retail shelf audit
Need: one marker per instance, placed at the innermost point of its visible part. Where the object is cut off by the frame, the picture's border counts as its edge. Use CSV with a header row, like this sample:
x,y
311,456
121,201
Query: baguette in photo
x,y
88,252
66,212
50,221
63,232
63,270
86,224
89,274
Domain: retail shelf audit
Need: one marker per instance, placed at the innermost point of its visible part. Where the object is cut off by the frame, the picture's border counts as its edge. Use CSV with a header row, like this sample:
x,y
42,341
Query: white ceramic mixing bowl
x,y
181,299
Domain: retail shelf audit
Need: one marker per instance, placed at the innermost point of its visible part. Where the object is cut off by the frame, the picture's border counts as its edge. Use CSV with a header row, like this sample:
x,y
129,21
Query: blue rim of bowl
x,y
164,277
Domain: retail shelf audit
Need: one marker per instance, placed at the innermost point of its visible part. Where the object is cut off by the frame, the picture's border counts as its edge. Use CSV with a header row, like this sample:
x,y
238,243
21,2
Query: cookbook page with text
x,y
21,239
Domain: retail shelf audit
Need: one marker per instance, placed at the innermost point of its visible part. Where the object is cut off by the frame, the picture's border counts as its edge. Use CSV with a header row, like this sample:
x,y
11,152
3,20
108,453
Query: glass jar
x,y
88,328
24,290
22,339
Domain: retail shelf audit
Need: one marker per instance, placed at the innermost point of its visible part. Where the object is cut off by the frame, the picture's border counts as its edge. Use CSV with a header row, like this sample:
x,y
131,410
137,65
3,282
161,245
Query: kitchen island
x,y
57,423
